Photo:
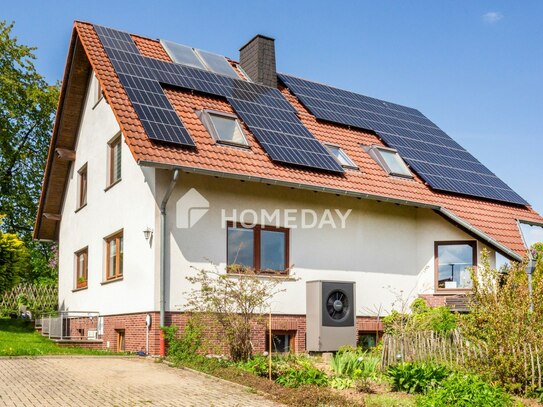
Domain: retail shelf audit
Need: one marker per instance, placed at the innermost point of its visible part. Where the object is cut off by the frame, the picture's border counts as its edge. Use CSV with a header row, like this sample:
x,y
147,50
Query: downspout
x,y
162,277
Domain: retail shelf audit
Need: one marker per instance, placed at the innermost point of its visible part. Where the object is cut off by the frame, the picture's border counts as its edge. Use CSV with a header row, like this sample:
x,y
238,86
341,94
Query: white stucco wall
x,y
385,248
129,205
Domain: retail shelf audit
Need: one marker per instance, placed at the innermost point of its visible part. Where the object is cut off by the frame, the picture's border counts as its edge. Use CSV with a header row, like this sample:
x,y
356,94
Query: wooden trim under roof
x,y
69,110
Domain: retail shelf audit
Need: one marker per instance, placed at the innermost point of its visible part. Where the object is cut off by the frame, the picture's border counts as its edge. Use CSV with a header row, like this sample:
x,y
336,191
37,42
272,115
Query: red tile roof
x,y
497,220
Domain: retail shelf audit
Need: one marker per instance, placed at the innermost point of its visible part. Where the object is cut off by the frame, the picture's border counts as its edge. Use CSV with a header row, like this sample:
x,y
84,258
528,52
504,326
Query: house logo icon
x,y
190,208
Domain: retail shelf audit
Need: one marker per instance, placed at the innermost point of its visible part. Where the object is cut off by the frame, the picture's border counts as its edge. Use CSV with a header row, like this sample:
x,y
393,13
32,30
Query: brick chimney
x,y
257,58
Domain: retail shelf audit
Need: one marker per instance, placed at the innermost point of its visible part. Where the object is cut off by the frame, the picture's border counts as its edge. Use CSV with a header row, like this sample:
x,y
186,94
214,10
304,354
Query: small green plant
x,y
355,364
416,377
185,346
289,370
465,390
341,383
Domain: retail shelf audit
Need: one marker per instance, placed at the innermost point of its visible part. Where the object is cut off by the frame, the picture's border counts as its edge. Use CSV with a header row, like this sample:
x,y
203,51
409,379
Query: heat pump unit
x,y
331,315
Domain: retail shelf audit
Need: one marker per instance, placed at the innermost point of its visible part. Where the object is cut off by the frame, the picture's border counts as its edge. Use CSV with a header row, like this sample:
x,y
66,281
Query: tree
x,y
27,106
238,302
14,260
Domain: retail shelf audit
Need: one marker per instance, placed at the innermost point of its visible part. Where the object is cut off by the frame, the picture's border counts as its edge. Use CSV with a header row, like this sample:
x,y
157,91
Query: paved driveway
x,y
112,381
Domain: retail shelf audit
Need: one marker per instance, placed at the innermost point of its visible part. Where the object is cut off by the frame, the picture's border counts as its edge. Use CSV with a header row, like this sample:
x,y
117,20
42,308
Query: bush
x,y
416,377
464,390
185,346
289,371
421,318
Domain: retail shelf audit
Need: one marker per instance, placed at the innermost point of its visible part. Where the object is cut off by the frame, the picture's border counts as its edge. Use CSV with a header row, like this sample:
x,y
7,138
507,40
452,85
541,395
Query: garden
x,y
428,356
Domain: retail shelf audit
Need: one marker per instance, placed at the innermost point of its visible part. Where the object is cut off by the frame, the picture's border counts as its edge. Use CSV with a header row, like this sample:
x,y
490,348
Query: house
x,y
165,158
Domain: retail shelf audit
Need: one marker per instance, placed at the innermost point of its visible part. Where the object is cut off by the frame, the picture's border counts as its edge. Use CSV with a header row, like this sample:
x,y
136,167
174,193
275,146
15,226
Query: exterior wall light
x,y
148,232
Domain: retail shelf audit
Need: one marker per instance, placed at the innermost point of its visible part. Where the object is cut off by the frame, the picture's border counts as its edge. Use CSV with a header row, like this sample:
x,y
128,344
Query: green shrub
x,y
465,390
421,318
288,371
185,346
341,383
416,377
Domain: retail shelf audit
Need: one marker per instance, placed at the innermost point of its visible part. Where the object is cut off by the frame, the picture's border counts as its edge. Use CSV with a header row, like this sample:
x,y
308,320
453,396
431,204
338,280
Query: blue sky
x,y
474,68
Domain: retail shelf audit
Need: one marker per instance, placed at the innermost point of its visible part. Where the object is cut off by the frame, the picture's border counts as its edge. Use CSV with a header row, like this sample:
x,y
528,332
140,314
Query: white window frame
x,y
351,165
375,152
205,117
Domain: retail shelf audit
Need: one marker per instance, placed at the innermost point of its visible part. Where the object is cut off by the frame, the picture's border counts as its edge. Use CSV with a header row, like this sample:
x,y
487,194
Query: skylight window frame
x,y
351,165
205,117
375,153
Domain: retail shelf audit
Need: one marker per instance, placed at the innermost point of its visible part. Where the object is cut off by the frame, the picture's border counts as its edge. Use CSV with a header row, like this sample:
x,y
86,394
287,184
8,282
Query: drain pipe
x,y
163,260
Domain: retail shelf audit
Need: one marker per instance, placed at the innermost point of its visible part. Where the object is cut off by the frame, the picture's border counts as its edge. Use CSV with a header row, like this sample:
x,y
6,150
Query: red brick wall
x,y
213,342
433,300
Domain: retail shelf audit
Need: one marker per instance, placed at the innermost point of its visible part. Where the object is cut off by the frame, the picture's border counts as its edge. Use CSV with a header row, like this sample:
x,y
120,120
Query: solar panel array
x,y
150,103
438,159
264,110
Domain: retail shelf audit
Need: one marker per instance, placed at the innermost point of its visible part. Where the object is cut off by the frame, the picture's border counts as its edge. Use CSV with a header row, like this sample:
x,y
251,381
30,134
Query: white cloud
x,y
492,17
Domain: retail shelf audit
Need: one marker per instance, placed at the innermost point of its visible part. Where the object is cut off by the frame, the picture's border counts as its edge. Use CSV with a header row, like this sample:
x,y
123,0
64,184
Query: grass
x,y
18,338
389,400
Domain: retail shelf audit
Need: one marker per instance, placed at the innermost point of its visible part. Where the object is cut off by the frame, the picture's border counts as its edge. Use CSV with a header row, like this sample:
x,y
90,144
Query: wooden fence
x,y
37,298
453,349
430,347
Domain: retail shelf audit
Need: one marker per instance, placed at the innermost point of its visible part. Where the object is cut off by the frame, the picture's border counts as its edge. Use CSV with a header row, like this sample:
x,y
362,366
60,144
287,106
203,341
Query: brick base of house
x,y
129,331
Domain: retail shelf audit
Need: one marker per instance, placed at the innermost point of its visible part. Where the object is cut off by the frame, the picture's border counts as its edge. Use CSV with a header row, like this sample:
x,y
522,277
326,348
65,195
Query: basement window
x,y
390,161
223,127
341,157
281,341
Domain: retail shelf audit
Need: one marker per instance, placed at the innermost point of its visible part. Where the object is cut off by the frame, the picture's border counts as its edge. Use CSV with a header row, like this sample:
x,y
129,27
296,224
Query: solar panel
x,y
150,103
438,159
264,110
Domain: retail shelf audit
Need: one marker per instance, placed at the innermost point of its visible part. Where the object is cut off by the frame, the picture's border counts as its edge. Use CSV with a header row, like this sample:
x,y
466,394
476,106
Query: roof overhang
x,y
66,127
447,214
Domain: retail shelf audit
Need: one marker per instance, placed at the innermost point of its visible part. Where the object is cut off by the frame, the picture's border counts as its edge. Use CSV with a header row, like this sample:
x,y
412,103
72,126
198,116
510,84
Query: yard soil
x,y
304,396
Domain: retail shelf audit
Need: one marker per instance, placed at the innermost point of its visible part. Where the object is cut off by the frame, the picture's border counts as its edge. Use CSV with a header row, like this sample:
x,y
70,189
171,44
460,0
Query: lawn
x,y
18,338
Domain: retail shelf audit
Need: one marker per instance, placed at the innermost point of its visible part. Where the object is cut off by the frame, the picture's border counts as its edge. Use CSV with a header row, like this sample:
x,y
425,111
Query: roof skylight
x,y
197,58
390,160
340,155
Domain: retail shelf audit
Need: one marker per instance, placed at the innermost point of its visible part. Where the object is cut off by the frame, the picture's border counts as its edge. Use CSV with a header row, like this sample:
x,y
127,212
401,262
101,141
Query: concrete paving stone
x,y
115,382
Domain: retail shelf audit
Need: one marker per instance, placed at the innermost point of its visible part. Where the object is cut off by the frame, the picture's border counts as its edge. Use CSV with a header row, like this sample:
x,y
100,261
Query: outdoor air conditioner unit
x,y
331,315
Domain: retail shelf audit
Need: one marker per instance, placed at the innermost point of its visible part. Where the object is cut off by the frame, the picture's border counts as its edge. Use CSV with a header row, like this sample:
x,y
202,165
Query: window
x,y
81,268
263,248
114,161
96,91
453,262
341,157
82,196
223,127
390,160
114,256
281,341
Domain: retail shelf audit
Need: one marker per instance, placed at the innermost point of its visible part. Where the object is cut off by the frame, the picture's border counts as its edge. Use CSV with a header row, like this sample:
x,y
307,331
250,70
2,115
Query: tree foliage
x,y
14,260
27,106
